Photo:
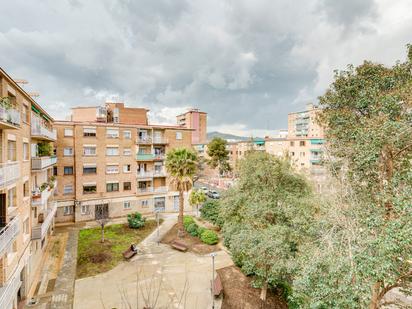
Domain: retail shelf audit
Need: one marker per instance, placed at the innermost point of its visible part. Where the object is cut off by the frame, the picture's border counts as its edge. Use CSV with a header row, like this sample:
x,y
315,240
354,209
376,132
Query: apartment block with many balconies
x,y
26,190
110,157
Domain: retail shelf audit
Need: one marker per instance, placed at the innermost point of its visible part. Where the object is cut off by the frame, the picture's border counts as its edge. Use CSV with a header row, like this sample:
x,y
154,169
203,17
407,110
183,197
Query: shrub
x,y
200,231
44,149
192,229
210,212
135,220
187,220
209,237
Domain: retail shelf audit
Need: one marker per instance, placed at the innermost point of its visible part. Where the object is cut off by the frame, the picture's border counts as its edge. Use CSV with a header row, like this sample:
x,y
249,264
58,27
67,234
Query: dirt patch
x,y
194,244
238,293
100,257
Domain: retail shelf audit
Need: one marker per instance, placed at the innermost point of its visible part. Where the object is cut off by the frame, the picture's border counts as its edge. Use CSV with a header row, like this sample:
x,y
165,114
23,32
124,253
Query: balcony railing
x,y
9,173
159,173
144,140
8,234
162,189
144,174
145,156
9,291
159,156
38,232
40,163
40,198
143,191
40,131
160,140
10,116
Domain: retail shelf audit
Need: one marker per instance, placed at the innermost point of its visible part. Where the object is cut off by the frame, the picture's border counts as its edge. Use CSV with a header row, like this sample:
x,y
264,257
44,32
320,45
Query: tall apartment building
x,y
197,121
110,157
27,185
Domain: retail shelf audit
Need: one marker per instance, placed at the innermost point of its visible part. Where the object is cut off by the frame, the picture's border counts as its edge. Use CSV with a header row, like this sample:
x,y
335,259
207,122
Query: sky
x,y
246,63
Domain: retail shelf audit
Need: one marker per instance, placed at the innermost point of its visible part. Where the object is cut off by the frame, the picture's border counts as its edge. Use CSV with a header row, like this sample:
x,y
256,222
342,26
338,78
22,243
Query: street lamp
x,y
213,254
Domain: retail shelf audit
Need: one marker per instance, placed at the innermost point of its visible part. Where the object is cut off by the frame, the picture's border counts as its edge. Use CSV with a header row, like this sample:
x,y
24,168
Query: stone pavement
x,y
158,277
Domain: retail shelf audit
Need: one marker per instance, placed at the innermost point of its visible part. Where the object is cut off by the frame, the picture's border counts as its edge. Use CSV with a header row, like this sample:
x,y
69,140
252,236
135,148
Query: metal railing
x,y
10,115
159,173
160,140
9,292
162,189
38,232
38,129
144,140
145,190
144,174
7,234
145,156
40,198
39,163
9,173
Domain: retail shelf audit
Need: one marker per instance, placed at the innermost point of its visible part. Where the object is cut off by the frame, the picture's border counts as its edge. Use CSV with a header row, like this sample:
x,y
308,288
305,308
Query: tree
x,y
196,198
266,217
181,165
219,155
367,115
102,216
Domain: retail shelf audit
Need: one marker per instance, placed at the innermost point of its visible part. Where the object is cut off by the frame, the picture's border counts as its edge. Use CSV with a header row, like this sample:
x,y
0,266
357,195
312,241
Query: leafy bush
x,y
44,149
209,237
187,220
210,212
192,229
200,230
135,220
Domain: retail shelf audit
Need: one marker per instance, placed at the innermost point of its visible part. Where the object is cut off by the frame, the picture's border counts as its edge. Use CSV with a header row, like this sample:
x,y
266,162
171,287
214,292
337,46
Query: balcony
x,y
144,191
145,157
147,140
40,131
162,189
40,197
9,173
40,163
9,118
159,157
144,174
8,292
7,235
160,140
159,173
38,232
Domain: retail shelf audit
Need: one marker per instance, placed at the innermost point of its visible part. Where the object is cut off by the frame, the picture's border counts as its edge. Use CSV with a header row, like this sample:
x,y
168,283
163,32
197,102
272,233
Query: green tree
x,y
219,155
196,198
266,217
44,149
367,114
181,165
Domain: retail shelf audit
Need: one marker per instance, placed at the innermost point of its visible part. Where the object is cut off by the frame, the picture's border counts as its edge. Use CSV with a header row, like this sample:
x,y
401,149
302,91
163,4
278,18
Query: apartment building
x,y
27,185
110,157
197,121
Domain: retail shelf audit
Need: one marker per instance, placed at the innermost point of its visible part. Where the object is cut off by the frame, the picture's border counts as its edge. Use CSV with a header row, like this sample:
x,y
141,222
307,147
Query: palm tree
x,y
197,197
181,165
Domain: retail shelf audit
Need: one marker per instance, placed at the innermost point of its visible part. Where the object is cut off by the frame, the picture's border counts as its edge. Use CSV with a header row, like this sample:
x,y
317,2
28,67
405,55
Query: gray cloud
x,y
246,63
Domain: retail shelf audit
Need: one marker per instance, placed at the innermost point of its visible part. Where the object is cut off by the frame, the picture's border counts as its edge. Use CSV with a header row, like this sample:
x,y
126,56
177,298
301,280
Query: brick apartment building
x,y
27,185
110,155
197,121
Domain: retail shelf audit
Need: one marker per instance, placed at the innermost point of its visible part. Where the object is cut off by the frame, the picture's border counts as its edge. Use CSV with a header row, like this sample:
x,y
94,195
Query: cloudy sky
x,y
246,63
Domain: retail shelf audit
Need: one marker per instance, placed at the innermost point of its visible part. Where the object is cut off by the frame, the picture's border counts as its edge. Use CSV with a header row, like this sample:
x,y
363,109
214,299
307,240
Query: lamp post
x,y
213,254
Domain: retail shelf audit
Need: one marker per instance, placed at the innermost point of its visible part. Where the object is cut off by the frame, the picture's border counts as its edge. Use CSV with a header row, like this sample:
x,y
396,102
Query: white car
x,y
204,189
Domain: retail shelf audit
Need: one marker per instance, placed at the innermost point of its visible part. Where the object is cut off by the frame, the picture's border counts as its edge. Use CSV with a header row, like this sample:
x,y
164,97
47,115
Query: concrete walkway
x,y
159,277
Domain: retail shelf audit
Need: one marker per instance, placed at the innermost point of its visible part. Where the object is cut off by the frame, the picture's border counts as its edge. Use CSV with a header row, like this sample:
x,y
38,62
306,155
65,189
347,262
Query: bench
x,y
217,286
179,246
130,252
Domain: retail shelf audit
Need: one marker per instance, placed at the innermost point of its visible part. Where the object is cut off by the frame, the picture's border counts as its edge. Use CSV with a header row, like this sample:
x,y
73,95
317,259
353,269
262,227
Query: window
x,y
68,151
26,151
127,152
11,197
89,132
302,143
89,188
68,210
26,229
112,151
68,170
112,133
292,143
54,170
89,169
292,153
89,150
68,132
68,189
112,169
112,186
179,135
127,186
25,114
302,154
84,209
126,168
144,203
11,153
127,134
26,188
126,205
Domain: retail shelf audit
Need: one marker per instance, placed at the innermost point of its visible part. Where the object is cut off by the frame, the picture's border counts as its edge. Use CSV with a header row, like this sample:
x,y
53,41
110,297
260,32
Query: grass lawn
x,y
94,257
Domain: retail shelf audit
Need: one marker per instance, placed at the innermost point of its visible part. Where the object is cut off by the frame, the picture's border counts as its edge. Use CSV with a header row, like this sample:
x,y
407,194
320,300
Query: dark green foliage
x,y
192,229
200,230
135,220
187,220
209,237
219,155
210,212
44,149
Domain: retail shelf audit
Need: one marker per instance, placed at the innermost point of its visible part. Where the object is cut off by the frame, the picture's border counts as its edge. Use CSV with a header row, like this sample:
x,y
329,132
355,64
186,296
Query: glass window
x,y
84,209
292,143
126,168
127,152
68,151
179,135
126,205
89,132
26,188
127,186
144,203
68,210
25,151
112,151
127,134
112,187
11,153
112,169
68,132
89,170
112,133
302,143
68,170
89,150
25,114
68,189
89,189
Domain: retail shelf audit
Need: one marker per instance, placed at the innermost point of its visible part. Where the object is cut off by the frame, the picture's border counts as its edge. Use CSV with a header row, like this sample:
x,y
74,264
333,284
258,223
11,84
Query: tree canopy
x,y
219,155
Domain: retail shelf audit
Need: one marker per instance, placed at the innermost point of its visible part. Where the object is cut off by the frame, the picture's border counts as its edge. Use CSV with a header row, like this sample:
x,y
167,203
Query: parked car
x,y
205,190
214,194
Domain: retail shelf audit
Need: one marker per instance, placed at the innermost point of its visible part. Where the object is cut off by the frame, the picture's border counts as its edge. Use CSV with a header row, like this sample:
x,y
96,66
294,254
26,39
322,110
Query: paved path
x,y
161,276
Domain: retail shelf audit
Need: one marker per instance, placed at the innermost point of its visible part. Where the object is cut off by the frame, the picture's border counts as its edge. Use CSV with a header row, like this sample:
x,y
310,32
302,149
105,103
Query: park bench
x,y
179,245
130,252
217,286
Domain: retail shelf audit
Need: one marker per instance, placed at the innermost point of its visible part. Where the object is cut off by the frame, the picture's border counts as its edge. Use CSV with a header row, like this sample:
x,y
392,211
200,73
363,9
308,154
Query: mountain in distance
x,y
211,135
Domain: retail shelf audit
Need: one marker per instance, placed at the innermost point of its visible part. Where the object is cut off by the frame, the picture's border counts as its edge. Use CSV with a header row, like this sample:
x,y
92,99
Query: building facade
x,y
114,160
27,207
197,121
